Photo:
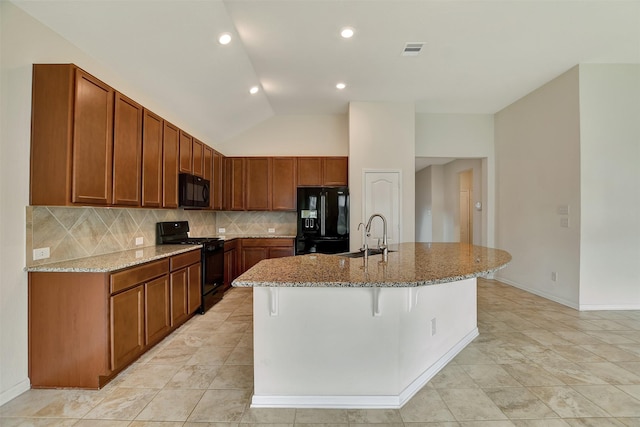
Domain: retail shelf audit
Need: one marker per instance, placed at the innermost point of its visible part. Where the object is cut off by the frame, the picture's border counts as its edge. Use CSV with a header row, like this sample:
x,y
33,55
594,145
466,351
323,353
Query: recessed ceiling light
x,y
341,86
225,38
347,32
254,90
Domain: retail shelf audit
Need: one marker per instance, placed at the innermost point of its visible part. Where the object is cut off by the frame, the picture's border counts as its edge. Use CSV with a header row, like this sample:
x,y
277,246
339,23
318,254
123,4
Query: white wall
x,y
538,169
462,136
293,135
610,186
382,136
424,223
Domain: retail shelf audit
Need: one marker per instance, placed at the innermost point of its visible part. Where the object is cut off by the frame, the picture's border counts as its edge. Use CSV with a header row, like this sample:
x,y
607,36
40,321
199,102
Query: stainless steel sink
x,y
360,254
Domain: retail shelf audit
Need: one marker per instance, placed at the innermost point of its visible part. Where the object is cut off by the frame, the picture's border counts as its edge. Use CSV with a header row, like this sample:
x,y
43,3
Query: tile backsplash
x,y
79,232
73,233
252,223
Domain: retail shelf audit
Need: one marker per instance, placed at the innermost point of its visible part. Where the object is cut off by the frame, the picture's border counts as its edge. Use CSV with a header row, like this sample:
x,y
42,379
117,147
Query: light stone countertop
x,y
114,261
412,264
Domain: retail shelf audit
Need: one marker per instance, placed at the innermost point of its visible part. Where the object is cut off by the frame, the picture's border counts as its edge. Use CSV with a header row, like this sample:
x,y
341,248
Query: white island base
x,y
356,347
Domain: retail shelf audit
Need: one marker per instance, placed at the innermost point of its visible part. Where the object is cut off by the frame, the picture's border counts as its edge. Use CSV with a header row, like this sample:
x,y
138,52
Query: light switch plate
x,y
221,230
139,241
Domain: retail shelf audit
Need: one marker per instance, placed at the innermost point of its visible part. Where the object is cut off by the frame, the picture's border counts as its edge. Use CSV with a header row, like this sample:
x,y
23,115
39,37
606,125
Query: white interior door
x,y
382,195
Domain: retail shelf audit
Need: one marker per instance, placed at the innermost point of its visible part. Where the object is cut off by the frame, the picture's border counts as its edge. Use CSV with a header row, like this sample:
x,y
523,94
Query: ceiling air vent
x,y
412,49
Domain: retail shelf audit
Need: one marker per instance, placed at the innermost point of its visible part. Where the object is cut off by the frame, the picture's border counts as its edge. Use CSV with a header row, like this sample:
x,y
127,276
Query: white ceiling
x,y
479,56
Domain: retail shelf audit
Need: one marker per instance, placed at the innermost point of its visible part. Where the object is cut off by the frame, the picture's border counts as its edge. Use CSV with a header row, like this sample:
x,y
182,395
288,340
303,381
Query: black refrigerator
x,y
323,220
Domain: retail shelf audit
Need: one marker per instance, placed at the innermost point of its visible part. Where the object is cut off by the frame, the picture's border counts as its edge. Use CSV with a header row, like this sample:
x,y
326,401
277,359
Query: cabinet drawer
x,y
185,259
132,276
267,242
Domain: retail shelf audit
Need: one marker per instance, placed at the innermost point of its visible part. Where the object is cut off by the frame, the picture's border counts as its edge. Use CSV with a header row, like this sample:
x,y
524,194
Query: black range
x,y
212,257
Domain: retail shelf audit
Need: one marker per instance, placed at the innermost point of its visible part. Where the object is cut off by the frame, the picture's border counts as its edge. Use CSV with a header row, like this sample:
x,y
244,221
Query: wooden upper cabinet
x,y
71,137
234,183
197,155
92,141
207,170
309,171
257,183
151,160
186,152
323,171
127,151
335,171
216,181
170,159
283,184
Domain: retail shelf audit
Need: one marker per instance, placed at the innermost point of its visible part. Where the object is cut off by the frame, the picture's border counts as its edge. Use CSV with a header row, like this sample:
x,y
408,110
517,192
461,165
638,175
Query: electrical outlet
x,y
564,222
221,230
433,326
139,241
139,253
41,253
554,276
272,230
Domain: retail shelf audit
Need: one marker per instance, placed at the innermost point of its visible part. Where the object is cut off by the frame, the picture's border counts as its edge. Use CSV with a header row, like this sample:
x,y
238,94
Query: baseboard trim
x,y
366,402
15,391
542,294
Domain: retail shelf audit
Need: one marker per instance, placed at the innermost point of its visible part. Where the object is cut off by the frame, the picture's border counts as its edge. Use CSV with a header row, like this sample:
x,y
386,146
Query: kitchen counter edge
x,y
113,261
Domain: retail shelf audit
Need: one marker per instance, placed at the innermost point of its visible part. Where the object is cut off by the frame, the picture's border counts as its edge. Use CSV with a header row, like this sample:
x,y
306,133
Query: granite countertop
x,y
113,261
412,264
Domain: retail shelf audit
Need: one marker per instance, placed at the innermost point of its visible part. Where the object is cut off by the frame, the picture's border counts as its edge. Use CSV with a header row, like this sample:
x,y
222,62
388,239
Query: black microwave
x,y
193,191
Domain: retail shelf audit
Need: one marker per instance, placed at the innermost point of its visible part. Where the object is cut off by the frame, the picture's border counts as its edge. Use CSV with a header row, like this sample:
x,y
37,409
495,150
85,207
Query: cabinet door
x,y
151,160
186,152
230,266
92,141
194,277
280,252
127,326
157,315
335,171
127,151
253,255
170,146
257,179
216,181
197,154
207,171
234,183
283,184
179,294
309,171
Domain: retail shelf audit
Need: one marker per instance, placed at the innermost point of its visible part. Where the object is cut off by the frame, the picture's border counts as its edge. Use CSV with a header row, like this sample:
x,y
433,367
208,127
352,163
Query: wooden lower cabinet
x,y
157,309
186,294
127,327
230,261
179,295
84,328
255,250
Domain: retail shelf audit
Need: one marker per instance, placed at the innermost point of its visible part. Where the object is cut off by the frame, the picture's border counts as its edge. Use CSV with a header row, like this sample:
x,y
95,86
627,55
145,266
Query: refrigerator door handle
x,y
323,212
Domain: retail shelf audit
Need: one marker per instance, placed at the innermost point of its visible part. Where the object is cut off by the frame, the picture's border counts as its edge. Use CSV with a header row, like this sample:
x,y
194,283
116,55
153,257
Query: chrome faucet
x,y
385,245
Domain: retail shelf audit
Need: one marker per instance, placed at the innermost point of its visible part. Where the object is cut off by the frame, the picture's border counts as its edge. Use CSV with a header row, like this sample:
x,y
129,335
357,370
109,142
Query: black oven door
x,y
212,274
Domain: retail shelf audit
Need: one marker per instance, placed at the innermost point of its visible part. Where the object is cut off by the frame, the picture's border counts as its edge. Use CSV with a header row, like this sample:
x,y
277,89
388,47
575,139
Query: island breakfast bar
x,y
337,332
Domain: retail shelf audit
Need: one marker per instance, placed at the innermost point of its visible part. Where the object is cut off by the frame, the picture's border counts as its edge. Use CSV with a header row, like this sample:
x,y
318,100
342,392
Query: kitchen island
x,y
337,332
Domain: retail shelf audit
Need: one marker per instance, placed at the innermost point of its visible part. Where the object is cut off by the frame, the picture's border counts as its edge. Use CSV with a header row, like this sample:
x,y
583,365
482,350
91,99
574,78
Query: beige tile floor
x,y
535,363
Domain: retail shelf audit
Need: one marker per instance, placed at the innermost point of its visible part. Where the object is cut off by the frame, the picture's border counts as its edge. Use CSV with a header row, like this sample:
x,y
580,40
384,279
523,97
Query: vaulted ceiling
x,y
478,57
